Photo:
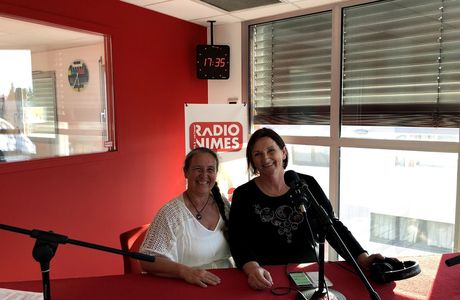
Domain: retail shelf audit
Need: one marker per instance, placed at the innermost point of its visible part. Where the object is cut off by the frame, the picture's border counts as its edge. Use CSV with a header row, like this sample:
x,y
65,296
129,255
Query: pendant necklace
x,y
198,215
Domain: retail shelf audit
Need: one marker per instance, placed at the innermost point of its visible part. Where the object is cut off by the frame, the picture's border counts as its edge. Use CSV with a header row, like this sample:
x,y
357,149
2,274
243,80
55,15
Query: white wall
x,y
220,91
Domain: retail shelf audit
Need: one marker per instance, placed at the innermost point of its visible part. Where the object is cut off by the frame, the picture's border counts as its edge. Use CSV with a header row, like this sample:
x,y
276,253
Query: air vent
x,y
234,5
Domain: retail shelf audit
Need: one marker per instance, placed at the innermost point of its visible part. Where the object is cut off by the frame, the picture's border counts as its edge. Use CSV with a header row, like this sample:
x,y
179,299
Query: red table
x,y
446,284
234,285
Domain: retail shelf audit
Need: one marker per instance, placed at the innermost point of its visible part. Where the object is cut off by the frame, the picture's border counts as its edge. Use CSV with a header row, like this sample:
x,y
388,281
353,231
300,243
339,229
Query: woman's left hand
x,y
199,277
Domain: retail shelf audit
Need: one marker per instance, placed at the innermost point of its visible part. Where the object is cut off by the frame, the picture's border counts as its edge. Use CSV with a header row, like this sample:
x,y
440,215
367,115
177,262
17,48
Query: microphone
x,y
453,261
303,193
292,179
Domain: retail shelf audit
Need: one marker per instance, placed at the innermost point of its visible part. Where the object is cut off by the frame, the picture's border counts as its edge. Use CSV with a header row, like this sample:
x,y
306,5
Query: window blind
x,y
290,67
401,64
42,103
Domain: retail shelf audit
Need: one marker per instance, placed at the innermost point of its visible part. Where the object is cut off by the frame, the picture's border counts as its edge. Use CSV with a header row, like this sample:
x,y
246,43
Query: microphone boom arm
x,y
46,246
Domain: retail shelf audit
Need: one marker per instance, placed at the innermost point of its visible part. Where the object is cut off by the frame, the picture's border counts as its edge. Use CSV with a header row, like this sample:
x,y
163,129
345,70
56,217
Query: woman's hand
x,y
167,268
365,260
199,277
258,277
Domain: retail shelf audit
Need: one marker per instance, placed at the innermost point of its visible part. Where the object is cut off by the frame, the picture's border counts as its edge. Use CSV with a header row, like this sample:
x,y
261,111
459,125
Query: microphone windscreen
x,y
291,178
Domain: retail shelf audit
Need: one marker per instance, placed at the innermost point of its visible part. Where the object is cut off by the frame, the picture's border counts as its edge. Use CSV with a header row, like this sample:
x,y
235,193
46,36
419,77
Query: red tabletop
x,y
446,284
234,285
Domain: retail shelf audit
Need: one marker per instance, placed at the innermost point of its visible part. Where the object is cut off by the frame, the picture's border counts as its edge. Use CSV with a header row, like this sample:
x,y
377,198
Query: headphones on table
x,y
391,269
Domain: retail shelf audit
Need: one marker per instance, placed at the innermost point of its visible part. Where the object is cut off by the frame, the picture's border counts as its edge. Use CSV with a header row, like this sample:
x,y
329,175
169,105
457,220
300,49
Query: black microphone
x,y
292,179
453,261
302,192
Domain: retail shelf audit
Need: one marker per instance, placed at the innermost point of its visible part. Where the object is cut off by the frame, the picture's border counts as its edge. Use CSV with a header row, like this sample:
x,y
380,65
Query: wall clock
x,y
213,61
78,75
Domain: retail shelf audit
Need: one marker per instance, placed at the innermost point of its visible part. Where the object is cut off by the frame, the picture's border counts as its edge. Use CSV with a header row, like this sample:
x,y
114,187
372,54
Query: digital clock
x,y
213,61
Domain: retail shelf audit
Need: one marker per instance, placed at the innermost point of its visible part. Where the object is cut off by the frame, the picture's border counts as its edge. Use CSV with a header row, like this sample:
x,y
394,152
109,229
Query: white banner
x,y
224,129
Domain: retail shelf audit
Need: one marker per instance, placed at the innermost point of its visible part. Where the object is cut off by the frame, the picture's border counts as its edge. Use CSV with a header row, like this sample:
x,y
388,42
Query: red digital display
x,y
213,61
217,62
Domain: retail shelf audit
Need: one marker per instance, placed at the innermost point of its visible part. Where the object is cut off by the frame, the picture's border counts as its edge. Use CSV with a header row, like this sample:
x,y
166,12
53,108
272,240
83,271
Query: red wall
x,y
95,197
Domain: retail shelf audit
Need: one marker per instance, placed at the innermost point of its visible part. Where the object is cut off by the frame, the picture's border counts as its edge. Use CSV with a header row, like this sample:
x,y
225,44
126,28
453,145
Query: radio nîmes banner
x,y
224,129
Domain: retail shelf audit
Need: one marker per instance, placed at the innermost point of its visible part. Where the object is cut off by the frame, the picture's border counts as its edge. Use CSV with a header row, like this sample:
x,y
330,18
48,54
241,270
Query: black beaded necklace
x,y
198,215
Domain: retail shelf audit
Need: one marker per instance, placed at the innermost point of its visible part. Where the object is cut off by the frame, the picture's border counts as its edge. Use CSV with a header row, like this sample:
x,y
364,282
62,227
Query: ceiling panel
x,y
199,12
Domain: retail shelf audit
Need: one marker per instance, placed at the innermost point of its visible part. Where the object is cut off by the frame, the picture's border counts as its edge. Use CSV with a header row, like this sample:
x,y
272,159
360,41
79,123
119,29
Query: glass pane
x,y
399,202
53,99
297,130
311,160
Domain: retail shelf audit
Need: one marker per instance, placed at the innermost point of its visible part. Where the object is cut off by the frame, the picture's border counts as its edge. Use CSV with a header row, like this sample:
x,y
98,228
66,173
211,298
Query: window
x,y
290,65
383,191
382,138
405,232
41,112
55,95
401,70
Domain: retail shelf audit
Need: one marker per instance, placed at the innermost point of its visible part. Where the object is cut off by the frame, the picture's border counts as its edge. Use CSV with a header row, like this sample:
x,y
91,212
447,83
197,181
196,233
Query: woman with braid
x,y
188,235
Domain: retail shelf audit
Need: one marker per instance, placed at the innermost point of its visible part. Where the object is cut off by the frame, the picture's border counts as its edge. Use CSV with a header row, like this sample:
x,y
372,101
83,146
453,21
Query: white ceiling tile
x,y
222,19
186,10
199,12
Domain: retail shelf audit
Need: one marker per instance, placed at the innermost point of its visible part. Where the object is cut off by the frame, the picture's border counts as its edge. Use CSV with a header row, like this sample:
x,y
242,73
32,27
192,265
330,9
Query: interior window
x,y
53,91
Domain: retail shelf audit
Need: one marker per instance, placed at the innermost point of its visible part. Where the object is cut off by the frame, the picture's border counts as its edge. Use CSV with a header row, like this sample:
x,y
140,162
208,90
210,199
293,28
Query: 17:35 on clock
x,y
213,61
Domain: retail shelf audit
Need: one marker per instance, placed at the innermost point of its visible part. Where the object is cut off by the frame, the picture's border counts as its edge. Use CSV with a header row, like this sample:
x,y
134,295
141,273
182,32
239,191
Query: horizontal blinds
x,y
42,103
290,63
401,64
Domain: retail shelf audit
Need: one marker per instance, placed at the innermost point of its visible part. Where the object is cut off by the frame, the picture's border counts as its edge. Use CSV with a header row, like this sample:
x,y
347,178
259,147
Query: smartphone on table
x,y
301,280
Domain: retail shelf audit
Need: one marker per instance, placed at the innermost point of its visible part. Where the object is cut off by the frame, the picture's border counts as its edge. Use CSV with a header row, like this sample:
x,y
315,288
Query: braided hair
x,y
220,202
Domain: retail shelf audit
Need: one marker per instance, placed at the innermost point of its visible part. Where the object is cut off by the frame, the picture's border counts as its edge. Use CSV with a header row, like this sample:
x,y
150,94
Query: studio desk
x,y
436,282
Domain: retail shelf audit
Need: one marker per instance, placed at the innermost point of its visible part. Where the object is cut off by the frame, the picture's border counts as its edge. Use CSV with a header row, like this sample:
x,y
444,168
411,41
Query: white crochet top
x,y
176,234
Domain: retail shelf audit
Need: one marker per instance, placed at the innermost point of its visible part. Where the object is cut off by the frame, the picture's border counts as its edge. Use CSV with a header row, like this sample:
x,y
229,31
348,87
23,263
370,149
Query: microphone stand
x,y
322,292
46,246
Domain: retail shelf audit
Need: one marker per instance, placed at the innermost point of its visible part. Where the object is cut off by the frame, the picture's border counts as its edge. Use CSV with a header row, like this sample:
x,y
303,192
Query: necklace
x,y
198,215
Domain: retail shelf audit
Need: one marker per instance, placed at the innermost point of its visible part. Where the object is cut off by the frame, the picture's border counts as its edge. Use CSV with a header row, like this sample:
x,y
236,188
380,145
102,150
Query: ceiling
x,y
199,12
16,34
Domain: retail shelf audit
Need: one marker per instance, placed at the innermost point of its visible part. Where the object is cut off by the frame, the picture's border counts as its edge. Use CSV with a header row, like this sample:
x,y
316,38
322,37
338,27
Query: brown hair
x,y
257,135
194,152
